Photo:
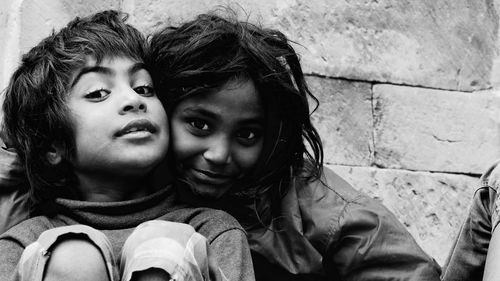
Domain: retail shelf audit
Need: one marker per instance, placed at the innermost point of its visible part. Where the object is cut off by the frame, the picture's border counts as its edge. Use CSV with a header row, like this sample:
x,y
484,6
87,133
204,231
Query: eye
x,y
145,90
199,124
97,95
248,137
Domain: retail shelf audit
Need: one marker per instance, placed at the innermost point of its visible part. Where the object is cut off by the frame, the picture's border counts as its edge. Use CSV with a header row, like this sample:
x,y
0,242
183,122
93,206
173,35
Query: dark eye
x,y
98,94
248,136
145,90
199,124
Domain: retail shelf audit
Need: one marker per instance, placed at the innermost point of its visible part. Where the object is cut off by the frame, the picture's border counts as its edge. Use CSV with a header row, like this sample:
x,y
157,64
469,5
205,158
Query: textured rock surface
x,y
447,44
344,120
432,130
431,205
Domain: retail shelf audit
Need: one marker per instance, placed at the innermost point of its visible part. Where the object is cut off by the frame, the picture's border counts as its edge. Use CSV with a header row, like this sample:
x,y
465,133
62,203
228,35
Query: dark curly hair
x,y
36,115
204,54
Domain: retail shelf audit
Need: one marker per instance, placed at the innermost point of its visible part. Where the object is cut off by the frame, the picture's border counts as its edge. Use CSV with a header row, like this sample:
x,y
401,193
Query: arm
x,y
467,257
233,255
468,253
491,268
374,245
10,253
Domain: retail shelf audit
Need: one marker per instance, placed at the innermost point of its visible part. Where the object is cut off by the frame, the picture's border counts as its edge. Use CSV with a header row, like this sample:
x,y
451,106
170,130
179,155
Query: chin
x,y
207,192
139,166
147,159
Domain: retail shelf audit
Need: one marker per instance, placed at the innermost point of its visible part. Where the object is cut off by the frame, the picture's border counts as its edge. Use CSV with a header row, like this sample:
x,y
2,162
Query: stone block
x,y
434,130
344,120
440,44
447,44
432,206
149,15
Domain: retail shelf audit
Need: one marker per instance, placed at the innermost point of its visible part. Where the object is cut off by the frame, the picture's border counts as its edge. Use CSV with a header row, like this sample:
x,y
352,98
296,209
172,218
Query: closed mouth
x,y
140,125
210,176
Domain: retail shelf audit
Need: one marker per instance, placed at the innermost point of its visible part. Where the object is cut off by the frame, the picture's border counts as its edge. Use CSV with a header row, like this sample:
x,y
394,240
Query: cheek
x,y
158,112
248,158
184,145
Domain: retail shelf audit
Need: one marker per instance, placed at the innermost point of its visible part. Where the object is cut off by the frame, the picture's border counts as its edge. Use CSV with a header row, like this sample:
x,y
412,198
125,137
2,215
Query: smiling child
x,y
83,115
243,142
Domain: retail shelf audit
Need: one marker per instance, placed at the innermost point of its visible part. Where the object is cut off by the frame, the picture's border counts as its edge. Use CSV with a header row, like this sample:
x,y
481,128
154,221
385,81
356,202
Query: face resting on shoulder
x,y
217,137
120,127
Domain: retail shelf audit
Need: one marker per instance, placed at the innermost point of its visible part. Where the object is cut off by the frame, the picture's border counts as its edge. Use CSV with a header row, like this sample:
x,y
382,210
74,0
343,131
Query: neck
x,y
186,196
111,189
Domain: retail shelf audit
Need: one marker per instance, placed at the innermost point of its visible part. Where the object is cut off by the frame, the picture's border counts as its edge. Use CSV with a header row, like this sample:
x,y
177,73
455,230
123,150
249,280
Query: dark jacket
x,y
468,255
330,231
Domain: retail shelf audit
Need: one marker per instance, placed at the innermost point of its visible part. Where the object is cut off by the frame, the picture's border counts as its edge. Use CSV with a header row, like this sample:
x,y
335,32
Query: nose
x,y
219,151
132,102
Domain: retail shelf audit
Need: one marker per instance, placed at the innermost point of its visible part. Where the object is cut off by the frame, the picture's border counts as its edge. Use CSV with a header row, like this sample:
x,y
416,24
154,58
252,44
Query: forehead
x,y
237,99
108,65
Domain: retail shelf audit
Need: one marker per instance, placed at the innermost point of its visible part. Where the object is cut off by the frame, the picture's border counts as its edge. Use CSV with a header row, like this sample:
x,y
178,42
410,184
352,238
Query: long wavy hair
x,y
204,54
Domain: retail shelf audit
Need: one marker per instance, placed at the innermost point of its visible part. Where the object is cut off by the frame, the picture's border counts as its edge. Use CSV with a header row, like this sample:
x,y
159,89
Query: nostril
x,y
127,108
142,106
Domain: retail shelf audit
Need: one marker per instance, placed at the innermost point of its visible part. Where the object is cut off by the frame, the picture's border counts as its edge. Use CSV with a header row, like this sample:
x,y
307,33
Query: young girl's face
x,y
217,137
120,126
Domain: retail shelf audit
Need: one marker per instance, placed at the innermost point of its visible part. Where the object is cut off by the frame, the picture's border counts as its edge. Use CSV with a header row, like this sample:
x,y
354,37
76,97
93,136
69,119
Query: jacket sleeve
x,y
14,206
10,254
373,245
233,255
467,258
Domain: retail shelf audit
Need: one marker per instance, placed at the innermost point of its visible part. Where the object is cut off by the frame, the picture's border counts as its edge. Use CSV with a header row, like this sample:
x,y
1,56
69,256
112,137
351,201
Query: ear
x,y
55,154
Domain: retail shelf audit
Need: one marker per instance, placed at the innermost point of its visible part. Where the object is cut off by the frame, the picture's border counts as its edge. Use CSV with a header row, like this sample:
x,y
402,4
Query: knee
x,y
76,259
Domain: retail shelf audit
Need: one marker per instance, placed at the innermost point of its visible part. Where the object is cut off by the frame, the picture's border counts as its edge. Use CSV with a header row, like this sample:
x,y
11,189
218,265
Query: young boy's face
x,y
119,124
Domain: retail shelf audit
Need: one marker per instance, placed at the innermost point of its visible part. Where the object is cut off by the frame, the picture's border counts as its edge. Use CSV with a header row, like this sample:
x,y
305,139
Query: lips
x,y
140,125
210,176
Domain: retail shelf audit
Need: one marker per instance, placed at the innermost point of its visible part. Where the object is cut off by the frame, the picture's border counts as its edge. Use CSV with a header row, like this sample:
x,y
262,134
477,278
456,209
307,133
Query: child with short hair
x,y
243,142
83,115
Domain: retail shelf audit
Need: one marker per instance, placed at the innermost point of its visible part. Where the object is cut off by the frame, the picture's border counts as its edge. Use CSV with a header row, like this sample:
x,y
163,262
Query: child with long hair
x,y
83,115
243,142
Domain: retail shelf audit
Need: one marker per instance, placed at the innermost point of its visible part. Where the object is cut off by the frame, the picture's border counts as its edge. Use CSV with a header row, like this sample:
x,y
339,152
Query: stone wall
x,y
410,108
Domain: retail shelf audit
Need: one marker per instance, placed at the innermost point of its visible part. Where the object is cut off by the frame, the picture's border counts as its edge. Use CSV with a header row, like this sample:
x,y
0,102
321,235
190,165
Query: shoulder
x,y
486,202
210,223
491,178
332,206
485,198
27,231
330,188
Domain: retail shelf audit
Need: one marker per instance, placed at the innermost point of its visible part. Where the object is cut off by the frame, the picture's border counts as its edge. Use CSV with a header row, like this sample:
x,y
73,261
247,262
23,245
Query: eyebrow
x,y
200,110
106,71
210,114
